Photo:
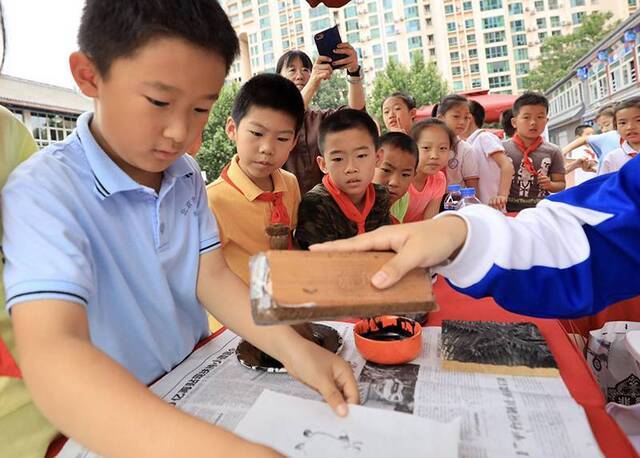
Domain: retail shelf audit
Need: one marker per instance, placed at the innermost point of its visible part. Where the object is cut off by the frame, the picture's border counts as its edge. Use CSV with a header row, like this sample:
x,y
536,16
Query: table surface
x,y
573,367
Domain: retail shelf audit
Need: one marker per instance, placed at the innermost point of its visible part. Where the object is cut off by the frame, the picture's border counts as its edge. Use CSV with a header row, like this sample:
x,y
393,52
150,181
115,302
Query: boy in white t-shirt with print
x,y
494,166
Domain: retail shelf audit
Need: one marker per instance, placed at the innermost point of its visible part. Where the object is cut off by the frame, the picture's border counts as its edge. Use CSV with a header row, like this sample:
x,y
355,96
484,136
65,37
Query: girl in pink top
x,y
435,141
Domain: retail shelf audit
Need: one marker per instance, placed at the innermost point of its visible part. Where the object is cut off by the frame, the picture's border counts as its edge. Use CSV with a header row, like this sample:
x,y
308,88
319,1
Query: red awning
x,y
493,104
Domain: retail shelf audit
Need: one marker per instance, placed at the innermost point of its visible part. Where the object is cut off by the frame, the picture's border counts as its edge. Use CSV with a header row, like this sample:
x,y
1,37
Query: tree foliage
x,y
422,80
332,93
560,52
217,149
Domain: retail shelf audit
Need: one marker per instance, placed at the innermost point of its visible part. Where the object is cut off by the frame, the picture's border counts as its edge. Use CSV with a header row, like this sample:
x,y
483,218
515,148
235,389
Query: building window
x,y
377,49
372,7
539,5
49,128
486,5
542,36
555,33
453,41
263,10
494,37
522,68
471,38
468,24
353,37
467,6
576,18
498,67
390,29
373,20
521,54
413,55
517,26
411,12
374,33
320,24
475,84
519,40
265,22
541,23
414,42
320,10
387,4
451,26
409,2
493,22
496,51
473,53
454,55
378,62
577,3
474,68
553,4
350,11
522,83
515,8
458,86
388,17
448,9
455,70
392,47
351,24
499,81
413,25
555,21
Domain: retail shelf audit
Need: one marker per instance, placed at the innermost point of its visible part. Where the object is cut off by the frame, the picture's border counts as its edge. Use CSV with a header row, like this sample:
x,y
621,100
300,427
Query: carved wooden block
x,y
296,286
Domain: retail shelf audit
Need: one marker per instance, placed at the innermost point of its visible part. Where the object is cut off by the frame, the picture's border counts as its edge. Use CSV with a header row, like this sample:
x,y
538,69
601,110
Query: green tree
x,y
332,93
217,149
560,52
421,80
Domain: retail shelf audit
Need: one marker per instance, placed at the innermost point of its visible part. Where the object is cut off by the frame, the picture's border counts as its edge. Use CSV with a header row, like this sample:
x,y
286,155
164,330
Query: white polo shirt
x,y
614,161
485,144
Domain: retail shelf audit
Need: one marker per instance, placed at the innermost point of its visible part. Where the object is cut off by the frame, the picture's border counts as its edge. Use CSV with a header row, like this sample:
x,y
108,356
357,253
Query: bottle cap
x,y
453,187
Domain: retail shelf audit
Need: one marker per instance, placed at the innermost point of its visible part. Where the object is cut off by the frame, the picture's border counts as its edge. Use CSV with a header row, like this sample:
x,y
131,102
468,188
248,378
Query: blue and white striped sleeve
x,y
573,255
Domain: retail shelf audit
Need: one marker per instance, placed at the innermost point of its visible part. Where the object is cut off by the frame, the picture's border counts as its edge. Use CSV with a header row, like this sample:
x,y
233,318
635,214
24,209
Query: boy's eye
x,y
283,139
406,174
336,159
255,133
201,110
362,155
385,170
157,103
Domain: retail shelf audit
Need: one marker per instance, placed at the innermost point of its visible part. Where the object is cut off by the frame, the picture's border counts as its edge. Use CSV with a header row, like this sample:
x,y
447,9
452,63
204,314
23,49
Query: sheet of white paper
x,y
300,427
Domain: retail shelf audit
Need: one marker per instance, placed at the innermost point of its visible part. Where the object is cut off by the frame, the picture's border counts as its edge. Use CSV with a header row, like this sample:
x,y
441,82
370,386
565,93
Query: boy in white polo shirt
x,y
626,119
111,250
494,166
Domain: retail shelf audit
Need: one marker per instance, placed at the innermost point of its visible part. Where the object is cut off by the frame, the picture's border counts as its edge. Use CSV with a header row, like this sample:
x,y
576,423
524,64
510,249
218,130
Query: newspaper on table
x,y
502,416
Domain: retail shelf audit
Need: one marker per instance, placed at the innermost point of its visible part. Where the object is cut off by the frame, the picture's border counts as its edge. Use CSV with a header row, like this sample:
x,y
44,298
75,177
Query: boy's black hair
x,y
285,60
447,103
633,102
406,98
433,122
401,141
530,98
505,121
605,111
346,119
478,113
111,29
269,90
581,128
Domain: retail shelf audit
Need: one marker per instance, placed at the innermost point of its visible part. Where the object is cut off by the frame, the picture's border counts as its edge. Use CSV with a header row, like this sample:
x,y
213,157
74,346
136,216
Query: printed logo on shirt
x,y
189,204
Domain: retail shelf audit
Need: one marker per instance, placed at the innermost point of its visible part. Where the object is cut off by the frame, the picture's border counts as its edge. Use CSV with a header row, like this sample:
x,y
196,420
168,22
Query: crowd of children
x,y
113,245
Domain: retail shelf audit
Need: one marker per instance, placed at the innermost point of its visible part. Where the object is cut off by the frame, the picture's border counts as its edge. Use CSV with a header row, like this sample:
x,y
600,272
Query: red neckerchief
x,y
348,208
8,367
279,213
526,160
394,220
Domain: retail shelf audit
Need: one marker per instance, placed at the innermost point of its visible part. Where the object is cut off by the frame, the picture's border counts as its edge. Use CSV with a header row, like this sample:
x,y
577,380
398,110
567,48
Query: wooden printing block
x,y
298,286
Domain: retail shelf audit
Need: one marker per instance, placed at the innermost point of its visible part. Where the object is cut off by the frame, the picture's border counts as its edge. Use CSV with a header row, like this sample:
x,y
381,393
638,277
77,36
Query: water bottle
x,y
453,197
468,198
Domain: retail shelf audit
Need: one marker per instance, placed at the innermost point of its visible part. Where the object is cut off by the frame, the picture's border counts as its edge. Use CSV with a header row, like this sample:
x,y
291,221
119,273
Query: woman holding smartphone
x,y
296,66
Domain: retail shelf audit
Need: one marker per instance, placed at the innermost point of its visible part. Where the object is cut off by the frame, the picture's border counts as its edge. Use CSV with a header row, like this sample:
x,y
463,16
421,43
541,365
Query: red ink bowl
x,y
388,339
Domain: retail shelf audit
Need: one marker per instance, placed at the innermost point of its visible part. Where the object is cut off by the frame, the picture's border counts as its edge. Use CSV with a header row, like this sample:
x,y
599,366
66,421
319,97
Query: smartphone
x,y
326,42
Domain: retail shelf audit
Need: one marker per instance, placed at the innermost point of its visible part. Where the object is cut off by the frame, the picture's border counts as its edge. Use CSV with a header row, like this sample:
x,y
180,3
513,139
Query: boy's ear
x,y
231,129
379,156
85,73
412,114
513,122
322,164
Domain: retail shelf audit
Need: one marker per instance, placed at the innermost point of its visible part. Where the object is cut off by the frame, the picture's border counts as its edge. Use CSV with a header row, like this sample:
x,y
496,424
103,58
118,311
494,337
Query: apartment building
x,y
491,44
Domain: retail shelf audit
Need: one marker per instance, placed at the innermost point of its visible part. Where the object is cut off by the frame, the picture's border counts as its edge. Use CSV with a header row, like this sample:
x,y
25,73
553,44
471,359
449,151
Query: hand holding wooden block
x,y
296,286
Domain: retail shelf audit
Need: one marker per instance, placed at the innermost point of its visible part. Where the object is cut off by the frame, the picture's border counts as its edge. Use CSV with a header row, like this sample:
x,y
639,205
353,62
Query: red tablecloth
x,y
573,367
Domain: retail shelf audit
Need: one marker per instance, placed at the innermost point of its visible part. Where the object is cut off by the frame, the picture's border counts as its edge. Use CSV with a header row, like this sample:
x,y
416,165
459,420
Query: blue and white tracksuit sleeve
x,y
574,254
